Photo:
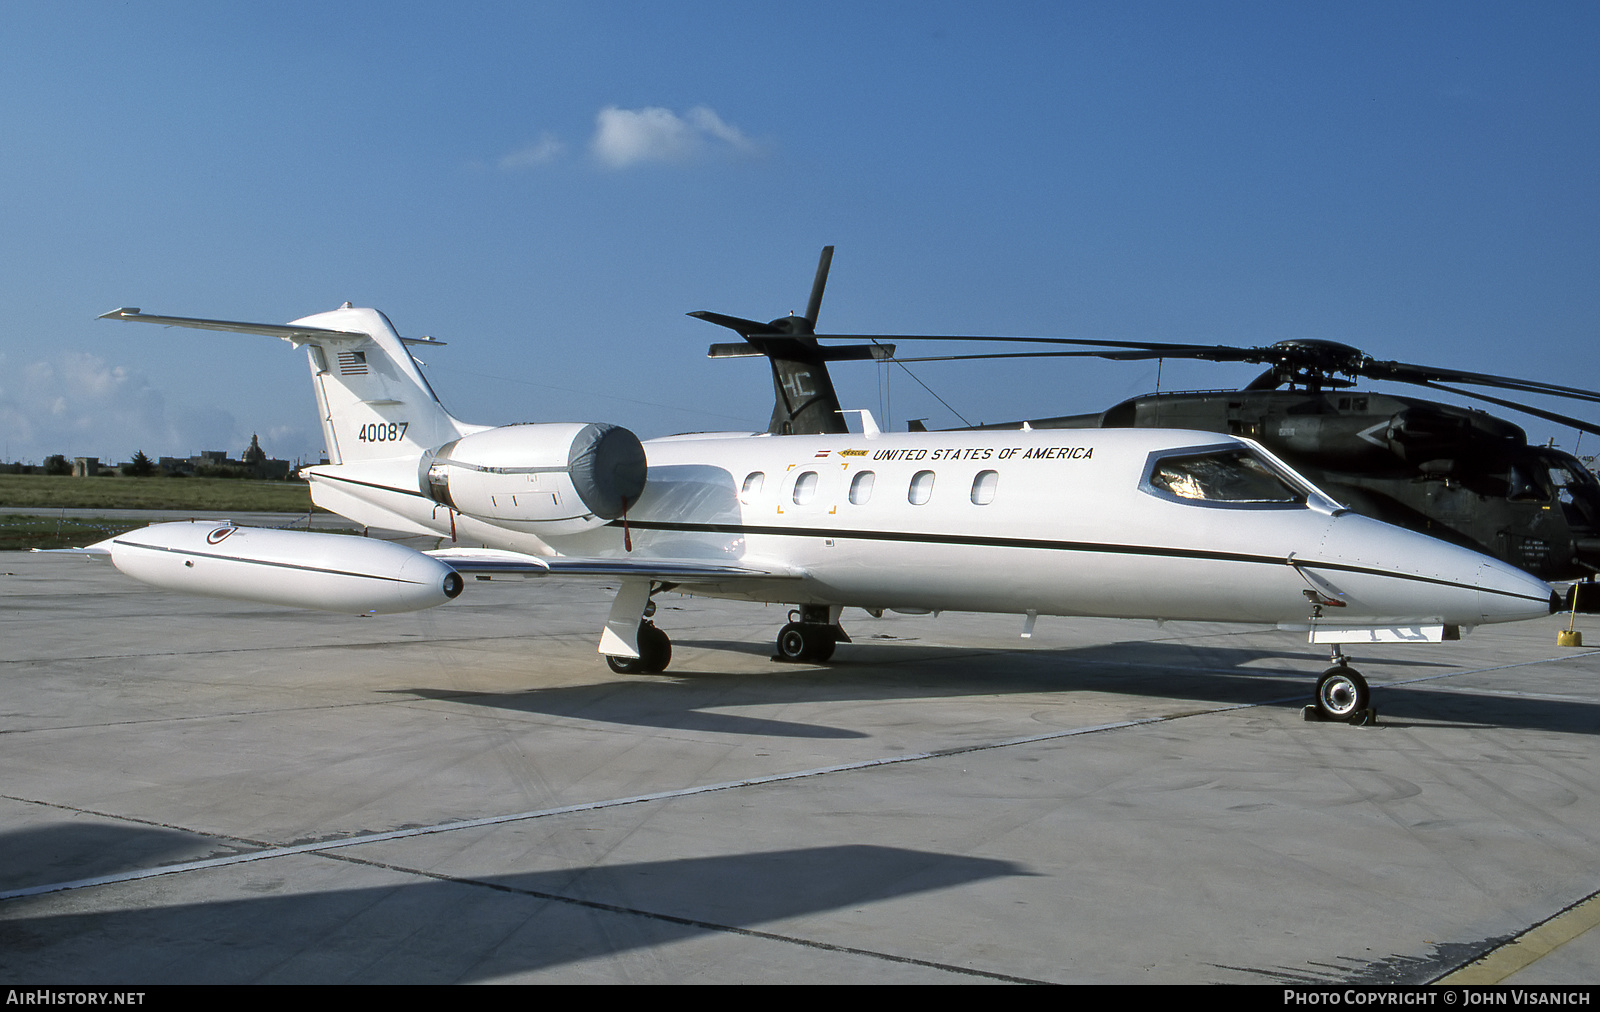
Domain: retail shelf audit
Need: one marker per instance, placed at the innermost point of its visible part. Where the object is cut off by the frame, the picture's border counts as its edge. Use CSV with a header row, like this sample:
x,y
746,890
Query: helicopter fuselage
x,y
1456,473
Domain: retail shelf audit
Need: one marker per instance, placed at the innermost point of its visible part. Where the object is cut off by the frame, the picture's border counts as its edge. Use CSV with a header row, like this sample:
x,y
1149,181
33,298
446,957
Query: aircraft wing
x,y
491,562
636,579
98,550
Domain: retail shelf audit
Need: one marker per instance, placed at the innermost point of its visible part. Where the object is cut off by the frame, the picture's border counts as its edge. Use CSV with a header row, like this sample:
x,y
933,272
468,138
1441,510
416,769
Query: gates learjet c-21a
x,y
1130,523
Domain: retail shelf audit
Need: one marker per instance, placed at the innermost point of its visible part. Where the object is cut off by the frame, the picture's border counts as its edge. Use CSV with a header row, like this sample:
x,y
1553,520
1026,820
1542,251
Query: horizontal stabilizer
x,y
859,353
800,350
289,332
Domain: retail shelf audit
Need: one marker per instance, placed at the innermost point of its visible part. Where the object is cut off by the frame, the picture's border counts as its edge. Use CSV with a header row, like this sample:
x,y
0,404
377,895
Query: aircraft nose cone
x,y
1507,594
1390,572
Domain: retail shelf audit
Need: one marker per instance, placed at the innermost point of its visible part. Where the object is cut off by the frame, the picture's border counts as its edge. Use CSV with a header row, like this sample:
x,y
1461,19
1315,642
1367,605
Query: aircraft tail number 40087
x,y
1132,523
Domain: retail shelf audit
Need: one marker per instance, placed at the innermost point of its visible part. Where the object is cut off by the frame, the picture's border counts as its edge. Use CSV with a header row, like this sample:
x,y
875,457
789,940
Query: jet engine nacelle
x,y
329,572
554,478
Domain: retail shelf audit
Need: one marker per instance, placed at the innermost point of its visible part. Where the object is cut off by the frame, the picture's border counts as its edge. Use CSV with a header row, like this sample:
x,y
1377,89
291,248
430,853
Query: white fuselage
x,y
1058,522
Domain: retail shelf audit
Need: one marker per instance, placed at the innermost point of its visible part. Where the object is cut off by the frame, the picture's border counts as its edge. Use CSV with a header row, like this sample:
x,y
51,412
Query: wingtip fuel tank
x,y
302,569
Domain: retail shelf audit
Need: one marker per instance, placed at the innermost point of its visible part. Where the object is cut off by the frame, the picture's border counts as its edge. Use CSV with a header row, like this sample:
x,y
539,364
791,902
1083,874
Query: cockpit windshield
x,y
1570,484
1228,477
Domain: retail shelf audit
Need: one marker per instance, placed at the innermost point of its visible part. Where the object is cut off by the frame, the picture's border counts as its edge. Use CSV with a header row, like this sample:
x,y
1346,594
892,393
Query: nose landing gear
x,y
1342,695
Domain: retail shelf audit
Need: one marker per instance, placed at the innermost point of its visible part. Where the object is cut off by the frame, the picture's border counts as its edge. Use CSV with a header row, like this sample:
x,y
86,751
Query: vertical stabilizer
x,y
372,399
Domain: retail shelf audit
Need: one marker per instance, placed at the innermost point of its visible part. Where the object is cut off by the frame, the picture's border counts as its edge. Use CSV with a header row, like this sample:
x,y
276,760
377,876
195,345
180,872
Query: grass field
x,y
50,492
20,533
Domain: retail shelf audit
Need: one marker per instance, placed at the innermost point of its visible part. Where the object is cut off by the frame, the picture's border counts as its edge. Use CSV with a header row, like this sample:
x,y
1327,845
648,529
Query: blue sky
x,y
549,188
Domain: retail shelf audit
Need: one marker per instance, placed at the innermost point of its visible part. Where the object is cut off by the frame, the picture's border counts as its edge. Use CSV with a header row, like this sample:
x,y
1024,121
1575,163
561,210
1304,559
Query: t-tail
x,y
373,400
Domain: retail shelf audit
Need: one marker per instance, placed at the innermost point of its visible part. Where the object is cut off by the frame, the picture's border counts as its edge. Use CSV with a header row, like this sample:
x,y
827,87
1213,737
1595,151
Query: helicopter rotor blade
x,y
1120,356
1299,359
820,282
1405,372
1170,350
1549,416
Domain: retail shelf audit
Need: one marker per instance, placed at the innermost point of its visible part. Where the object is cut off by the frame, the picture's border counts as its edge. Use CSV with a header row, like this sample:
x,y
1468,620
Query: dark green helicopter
x,y
1459,474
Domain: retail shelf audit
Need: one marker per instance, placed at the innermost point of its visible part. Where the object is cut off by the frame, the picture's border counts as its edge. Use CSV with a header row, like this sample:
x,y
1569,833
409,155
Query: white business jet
x,y
1130,523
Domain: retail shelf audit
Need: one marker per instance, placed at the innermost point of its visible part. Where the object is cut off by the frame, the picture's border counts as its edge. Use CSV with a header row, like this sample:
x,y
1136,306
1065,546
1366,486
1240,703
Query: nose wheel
x,y
1342,695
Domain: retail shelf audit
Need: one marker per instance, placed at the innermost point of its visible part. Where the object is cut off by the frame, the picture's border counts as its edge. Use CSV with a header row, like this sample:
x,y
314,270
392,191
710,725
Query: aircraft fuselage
x,y
1084,522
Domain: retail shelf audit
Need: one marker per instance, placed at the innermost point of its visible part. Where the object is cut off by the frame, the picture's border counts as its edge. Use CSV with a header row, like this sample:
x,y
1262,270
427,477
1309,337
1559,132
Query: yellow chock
x,y
1571,637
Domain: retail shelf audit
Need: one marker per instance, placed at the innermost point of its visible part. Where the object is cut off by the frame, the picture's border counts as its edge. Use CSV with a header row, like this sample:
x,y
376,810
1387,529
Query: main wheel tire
x,y
655,653
793,643
1342,693
625,665
806,642
655,649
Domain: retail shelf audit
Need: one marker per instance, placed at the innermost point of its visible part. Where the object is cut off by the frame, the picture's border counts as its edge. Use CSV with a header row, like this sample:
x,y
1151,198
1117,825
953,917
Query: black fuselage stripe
x,y
372,484
1102,548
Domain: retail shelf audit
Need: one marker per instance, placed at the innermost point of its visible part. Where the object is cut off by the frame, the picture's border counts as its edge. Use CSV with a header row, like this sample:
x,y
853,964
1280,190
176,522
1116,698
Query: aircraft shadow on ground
x,y
70,852
685,699
662,705
446,930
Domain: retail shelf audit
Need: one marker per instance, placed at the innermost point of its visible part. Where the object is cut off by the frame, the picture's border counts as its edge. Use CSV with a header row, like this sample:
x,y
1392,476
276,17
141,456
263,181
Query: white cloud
x,y
625,137
708,122
543,151
79,405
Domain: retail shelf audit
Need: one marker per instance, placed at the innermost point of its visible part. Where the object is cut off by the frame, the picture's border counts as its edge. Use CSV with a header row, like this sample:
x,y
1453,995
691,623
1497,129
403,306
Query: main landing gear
x,y
655,649
812,633
655,653
1342,695
810,638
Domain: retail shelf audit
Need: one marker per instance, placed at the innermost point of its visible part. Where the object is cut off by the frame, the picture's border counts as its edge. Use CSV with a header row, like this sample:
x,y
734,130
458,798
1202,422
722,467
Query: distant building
x,y
253,462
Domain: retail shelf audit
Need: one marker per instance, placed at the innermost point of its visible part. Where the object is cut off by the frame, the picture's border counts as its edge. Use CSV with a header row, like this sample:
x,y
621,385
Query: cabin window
x,y
861,488
805,488
921,488
752,486
1225,478
983,487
